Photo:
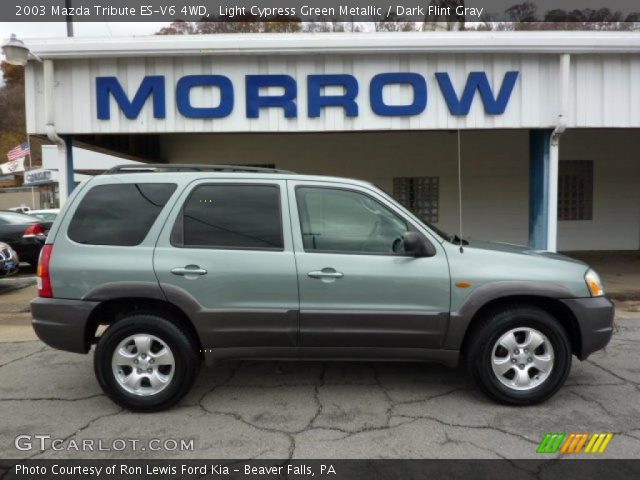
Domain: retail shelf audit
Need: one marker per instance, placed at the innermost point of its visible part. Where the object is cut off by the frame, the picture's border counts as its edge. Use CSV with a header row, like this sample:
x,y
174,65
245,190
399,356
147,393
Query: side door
x,y
357,286
225,256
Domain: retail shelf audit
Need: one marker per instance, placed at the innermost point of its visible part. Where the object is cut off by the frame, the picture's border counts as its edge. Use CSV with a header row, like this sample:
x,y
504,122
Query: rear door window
x,y
119,214
232,216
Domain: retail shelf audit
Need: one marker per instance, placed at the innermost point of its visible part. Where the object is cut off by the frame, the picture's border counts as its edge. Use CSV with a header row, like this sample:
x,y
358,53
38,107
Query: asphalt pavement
x,y
307,410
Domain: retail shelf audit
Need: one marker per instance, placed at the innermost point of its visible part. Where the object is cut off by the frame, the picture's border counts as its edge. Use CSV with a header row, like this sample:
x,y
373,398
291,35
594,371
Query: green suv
x,y
184,263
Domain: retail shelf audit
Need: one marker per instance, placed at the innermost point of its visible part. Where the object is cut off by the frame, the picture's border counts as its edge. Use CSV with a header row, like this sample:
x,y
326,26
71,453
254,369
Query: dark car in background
x,y
25,234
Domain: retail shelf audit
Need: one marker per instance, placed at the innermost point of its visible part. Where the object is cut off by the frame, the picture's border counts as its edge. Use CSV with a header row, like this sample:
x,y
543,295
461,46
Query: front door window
x,y
343,221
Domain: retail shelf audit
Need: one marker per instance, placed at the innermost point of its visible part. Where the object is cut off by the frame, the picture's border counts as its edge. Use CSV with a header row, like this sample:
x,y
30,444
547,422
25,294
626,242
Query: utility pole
x,y
67,3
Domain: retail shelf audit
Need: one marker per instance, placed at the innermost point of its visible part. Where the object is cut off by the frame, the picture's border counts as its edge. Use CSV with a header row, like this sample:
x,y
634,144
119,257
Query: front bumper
x,y
595,322
62,324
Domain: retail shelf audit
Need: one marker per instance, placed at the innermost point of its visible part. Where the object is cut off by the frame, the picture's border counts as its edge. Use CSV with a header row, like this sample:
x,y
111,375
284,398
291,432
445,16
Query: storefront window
x,y
49,197
575,190
420,195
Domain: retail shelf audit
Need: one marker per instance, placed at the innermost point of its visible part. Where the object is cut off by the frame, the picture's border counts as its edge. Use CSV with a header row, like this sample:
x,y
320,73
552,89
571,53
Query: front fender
x,y
460,319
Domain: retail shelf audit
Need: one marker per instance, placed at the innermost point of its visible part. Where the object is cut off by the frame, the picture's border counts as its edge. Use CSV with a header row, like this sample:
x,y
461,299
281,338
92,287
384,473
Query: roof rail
x,y
189,167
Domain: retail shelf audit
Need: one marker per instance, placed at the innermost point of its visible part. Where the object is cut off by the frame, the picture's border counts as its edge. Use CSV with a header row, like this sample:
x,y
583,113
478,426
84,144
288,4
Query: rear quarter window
x,y
119,214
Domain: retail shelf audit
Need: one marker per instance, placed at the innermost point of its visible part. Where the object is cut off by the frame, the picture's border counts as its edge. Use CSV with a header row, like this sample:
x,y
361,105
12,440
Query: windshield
x,y
439,232
448,237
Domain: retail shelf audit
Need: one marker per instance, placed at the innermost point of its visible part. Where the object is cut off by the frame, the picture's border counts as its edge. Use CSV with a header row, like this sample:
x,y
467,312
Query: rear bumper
x,y
62,324
595,321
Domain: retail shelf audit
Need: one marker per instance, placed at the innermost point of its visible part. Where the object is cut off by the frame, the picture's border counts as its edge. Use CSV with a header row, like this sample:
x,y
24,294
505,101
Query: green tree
x,y
12,120
12,74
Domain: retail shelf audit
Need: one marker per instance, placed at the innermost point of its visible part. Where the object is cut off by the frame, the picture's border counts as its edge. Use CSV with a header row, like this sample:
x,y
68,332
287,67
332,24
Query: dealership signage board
x,y
38,176
153,89
330,92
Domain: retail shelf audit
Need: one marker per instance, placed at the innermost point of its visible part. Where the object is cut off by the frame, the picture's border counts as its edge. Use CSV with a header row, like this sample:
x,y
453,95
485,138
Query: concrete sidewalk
x,y
15,315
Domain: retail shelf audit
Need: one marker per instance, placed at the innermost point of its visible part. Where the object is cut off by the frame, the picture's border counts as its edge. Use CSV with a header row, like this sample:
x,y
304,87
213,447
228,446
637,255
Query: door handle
x,y
189,270
325,273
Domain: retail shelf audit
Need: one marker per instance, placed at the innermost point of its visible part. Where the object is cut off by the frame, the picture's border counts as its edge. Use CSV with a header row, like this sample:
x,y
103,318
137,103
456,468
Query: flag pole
x,y
33,195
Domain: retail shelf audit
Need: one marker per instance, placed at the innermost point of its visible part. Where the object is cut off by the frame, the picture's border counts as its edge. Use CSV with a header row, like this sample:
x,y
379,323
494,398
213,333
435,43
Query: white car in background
x,y
48,215
21,209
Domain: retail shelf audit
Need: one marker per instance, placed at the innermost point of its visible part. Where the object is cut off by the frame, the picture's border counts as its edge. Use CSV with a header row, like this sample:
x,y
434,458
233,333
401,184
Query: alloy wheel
x,y
522,358
143,364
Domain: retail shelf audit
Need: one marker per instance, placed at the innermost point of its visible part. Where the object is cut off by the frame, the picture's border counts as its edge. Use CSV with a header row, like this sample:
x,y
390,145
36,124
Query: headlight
x,y
594,283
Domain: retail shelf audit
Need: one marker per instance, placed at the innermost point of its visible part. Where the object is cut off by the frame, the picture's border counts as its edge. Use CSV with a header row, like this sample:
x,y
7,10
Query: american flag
x,y
20,151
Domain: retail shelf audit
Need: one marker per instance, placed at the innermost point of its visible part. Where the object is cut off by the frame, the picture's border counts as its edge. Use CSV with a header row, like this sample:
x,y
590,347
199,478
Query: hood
x,y
518,249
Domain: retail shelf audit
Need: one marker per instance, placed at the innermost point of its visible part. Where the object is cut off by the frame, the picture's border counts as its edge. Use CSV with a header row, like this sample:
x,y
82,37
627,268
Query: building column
x,y
66,181
543,190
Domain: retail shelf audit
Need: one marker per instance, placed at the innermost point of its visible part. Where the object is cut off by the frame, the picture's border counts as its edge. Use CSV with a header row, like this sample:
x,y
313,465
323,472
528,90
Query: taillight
x,y
34,230
43,277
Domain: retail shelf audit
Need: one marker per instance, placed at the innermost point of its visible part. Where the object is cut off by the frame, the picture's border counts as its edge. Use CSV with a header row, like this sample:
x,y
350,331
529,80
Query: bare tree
x,y
520,16
241,24
179,27
325,25
438,21
395,23
524,16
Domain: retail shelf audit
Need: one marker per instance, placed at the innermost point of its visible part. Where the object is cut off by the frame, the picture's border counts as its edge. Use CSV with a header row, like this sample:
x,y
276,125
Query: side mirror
x,y
416,246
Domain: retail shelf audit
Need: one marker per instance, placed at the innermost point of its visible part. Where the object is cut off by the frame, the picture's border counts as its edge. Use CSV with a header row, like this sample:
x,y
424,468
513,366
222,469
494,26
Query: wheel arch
x,y
553,306
113,310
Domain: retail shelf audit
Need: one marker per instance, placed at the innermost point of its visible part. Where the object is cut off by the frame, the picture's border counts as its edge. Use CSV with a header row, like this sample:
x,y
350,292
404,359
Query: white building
x,y
548,121
47,178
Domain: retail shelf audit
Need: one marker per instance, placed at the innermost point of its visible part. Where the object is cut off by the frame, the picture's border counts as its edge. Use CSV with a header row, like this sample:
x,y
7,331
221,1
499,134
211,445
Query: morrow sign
x,y
153,87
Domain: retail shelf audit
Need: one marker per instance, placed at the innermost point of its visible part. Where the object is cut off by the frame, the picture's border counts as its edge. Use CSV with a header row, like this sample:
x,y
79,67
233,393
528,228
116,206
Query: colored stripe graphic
x,y
598,442
550,443
574,442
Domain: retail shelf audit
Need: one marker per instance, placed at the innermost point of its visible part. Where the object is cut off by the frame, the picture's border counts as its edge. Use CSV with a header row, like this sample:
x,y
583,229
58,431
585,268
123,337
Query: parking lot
x,y
308,410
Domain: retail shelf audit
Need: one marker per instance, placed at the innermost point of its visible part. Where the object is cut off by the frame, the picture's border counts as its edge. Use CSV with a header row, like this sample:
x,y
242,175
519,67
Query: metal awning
x,y
338,43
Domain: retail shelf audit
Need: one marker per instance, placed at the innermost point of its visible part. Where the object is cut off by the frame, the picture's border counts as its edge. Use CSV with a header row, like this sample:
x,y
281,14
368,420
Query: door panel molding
x,y
236,327
367,328
449,358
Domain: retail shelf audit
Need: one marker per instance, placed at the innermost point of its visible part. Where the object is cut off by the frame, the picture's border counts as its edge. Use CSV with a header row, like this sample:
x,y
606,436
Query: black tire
x,y
182,345
479,353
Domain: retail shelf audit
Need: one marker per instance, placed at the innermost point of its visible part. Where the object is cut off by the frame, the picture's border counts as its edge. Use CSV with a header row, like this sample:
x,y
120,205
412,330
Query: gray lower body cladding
x,y
595,322
62,324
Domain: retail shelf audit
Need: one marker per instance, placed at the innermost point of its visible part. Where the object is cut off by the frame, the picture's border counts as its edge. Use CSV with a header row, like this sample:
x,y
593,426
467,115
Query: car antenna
x,y
460,193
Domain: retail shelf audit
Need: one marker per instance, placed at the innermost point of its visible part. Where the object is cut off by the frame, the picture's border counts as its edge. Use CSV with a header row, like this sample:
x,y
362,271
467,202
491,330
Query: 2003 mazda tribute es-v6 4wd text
x,y
189,263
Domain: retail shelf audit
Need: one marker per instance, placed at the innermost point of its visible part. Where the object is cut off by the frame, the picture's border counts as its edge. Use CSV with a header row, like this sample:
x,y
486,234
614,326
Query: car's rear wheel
x,y
519,355
146,363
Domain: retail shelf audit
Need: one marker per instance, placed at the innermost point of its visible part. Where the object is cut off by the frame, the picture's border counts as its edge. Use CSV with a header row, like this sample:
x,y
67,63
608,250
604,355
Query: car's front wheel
x,y
519,355
145,362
